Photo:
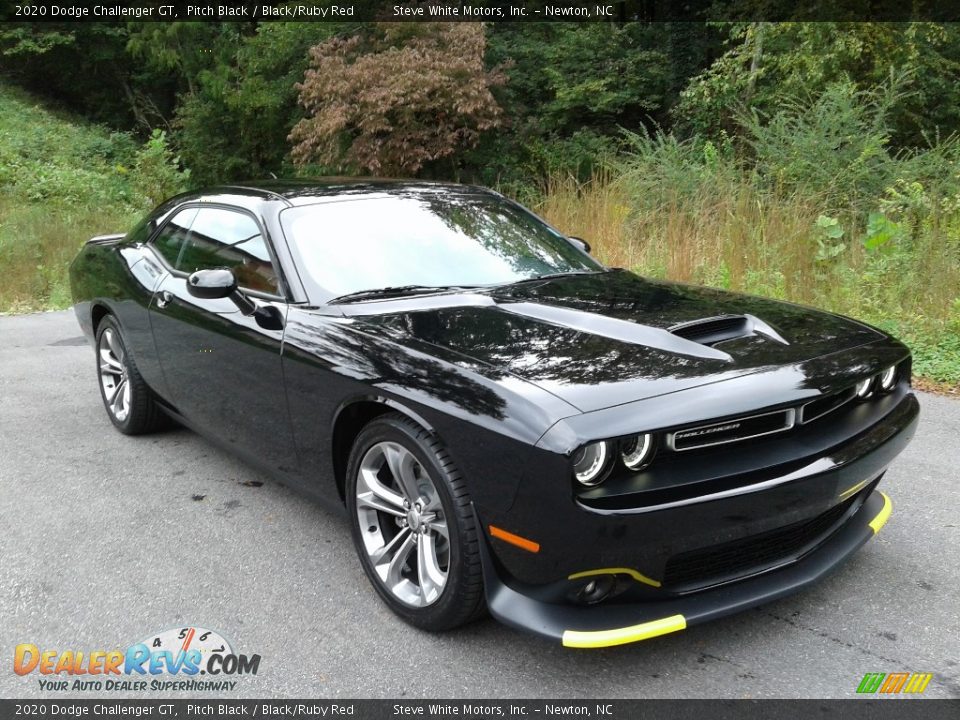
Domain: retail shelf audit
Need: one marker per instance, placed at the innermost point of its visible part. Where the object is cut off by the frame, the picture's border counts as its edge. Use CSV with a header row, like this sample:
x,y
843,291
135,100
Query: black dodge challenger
x,y
595,457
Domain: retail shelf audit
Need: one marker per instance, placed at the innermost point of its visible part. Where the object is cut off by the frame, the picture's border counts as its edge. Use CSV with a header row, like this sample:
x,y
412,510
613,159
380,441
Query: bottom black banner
x,y
877,709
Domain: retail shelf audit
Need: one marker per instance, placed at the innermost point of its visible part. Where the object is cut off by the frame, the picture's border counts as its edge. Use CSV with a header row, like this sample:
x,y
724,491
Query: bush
x,y
659,169
831,146
157,174
390,101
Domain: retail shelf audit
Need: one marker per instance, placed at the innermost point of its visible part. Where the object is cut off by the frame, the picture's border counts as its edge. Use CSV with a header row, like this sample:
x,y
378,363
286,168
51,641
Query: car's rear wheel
x,y
413,525
128,401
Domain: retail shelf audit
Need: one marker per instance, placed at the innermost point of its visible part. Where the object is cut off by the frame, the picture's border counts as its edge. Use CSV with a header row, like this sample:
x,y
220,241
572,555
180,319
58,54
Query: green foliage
x,y
86,67
578,155
184,48
157,174
19,41
828,235
935,346
660,168
881,230
37,243
225,92
567,76
234,125
599,76
810,206
570,89
766,62
62,181
43,157
832,144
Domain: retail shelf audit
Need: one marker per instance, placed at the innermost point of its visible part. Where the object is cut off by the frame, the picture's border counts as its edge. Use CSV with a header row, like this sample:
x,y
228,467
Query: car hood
x,y
605,339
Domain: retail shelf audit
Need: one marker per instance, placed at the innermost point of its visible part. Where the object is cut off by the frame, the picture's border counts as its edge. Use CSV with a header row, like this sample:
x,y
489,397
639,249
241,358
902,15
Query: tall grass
x,y
37,243
727,233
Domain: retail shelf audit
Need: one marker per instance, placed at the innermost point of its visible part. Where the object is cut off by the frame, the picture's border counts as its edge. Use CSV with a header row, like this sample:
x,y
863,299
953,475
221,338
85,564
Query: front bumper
x,y
617,624
683,563
804,486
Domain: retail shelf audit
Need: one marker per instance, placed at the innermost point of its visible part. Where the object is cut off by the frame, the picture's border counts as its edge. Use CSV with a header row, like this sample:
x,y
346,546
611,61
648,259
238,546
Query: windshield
x,y
429,239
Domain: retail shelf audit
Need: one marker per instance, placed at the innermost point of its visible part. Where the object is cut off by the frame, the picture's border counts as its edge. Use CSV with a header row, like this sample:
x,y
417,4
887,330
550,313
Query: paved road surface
x,y
105,539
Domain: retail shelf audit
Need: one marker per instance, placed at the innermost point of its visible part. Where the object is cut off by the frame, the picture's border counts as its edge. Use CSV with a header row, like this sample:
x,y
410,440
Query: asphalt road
x,y
106,539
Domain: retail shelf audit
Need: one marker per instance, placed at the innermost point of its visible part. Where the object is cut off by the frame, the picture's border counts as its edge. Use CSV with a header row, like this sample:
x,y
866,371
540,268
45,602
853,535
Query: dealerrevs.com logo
x,y
189,659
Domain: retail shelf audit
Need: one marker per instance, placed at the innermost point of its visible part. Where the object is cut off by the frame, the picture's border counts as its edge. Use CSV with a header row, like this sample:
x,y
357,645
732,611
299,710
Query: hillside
x,y
61,181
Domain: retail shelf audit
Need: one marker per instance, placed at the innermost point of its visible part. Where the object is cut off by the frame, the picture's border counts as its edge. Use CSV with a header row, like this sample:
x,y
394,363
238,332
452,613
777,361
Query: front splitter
x,y
618,624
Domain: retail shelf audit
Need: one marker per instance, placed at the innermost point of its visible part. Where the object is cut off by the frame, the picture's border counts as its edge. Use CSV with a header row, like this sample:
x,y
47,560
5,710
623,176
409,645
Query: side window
x,y
225,238
173,238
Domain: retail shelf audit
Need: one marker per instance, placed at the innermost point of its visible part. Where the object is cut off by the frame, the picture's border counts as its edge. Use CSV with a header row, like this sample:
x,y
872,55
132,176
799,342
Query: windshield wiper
x,y
550,276
404,290
397,291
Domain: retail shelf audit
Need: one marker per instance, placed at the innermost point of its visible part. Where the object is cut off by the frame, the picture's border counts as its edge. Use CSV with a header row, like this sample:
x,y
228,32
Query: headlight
x,y
637,452
591,462
864,387
888,378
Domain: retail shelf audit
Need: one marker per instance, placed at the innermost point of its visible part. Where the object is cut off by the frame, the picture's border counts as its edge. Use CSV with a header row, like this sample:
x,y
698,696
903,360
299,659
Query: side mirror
x,y
580,243
222,283
212,284
216,284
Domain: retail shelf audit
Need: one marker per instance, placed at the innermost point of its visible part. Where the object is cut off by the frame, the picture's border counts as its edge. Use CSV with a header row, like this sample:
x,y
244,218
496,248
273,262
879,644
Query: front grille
x,y
818,408
747,427
733,430
750,554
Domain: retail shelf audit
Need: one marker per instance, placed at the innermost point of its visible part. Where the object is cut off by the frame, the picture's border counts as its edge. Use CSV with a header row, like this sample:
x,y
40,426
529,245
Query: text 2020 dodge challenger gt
x,y
596,457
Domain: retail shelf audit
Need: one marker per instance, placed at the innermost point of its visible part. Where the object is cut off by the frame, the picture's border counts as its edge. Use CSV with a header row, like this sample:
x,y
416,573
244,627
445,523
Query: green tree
x,y
767,62
572,87
235,123
86,67
185,49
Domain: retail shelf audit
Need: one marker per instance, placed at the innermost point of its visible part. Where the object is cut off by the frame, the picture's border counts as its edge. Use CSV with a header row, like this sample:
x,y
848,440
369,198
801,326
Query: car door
x,y
222,368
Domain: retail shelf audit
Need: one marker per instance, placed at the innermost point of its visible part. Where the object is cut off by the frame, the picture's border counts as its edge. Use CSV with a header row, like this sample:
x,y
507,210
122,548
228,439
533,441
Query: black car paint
x,y
513,380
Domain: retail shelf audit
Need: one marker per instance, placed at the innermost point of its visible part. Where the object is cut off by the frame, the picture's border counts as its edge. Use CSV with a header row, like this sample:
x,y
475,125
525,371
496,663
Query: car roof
x,y
306,191
252,196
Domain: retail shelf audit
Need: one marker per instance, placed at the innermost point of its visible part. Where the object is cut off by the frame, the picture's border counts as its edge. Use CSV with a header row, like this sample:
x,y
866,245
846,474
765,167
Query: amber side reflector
x,y
520,542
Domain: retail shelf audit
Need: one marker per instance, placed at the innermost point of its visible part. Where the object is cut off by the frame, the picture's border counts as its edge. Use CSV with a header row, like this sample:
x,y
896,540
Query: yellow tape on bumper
x,y
881,519
850,491
635,574
622,636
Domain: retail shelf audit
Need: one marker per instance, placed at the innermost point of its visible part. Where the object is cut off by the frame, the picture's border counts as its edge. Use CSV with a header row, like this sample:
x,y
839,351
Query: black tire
x,y
462,598
142,415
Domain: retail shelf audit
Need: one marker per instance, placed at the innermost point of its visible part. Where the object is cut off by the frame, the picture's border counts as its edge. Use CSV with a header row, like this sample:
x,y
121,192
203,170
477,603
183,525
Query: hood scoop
x,y
714,330
616,329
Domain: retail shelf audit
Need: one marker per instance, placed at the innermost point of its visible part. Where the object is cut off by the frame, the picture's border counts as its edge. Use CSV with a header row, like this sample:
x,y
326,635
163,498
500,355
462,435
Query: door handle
x,y
163,299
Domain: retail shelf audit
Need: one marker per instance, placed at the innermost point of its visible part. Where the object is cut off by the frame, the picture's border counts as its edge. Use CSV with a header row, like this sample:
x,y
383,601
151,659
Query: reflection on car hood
x,y
606,339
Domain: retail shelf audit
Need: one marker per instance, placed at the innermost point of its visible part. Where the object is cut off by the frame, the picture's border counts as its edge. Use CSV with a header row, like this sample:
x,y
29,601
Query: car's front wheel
x,y
126,397
413,525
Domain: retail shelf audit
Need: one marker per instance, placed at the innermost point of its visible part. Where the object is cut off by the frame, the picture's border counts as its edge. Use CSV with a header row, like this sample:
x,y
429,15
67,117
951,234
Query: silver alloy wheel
x,y
402,523
113,374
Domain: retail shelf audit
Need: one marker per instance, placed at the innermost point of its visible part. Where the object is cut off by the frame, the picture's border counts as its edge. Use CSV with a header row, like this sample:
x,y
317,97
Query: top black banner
x,y
480,11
